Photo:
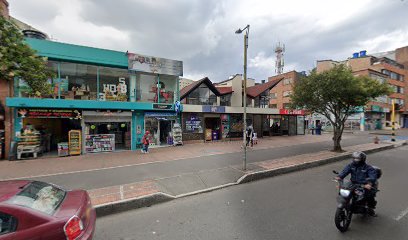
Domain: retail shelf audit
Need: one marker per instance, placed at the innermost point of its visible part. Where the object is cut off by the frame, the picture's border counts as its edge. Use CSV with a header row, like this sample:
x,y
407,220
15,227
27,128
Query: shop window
x,y
78,81
167,88
146,87
113,84
23,90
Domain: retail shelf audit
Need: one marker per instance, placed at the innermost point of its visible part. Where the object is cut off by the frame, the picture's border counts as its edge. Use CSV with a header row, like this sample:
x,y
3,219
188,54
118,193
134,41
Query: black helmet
x,y
359,157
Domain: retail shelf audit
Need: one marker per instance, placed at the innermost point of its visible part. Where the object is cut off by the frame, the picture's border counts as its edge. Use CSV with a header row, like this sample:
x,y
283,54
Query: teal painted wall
x,y
81,54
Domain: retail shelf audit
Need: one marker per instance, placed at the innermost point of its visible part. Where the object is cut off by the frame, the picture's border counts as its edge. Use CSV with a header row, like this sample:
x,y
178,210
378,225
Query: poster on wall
x,y
143,63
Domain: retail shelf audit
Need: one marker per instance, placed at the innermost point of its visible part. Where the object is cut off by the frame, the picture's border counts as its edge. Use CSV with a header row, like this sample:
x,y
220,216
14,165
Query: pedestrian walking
x,y
249,131
318,128
145,142
312,128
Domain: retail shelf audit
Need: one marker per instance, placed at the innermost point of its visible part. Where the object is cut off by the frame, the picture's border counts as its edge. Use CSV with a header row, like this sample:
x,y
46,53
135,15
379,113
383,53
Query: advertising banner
x,y
149,64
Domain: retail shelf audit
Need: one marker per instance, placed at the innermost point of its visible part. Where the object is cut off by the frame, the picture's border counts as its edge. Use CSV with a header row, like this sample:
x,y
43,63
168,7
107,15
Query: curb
x,y
160,197
129,204
298,167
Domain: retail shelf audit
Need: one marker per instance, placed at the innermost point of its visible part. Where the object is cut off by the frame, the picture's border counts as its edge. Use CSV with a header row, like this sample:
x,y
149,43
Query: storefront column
x,y
133,132
132,83
362,121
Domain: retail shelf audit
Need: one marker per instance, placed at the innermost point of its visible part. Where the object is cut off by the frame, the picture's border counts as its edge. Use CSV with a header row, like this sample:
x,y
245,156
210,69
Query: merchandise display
x,y
99,143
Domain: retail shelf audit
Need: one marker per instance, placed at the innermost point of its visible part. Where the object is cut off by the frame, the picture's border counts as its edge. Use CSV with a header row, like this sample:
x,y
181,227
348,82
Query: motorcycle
x,y
351,200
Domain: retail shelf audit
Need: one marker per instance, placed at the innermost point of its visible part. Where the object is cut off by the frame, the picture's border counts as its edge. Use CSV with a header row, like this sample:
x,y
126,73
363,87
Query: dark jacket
x,y
360,174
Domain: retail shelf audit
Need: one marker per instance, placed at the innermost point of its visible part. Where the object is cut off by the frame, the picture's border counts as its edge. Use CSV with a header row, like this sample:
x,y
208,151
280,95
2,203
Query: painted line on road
x,y
402,214
137,164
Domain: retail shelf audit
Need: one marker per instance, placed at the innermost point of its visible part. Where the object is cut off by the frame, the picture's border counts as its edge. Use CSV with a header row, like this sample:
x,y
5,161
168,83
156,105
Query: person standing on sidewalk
x,y
145,142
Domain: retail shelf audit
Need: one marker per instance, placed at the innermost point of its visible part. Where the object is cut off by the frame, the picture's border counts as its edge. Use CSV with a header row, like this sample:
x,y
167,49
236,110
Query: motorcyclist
x,y
362,173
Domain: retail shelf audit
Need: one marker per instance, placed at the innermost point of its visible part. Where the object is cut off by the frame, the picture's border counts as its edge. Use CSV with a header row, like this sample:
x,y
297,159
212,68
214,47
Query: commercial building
x,y
389,67
111,97
214,111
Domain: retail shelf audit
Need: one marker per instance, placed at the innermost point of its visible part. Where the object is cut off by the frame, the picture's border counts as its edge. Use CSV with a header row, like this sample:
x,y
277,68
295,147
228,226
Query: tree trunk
x,y
337,132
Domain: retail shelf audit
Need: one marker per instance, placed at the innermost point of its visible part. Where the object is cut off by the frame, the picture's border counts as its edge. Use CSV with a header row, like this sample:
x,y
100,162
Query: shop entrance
x,y
165,131
105,137
212,128
49,133
160,129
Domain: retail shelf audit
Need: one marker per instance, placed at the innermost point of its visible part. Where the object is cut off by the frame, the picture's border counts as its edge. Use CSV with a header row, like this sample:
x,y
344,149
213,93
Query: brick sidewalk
x,y
49,166
122,193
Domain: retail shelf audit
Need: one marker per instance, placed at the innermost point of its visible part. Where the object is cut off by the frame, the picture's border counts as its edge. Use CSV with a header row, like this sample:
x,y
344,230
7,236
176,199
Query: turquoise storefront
x,y
113,93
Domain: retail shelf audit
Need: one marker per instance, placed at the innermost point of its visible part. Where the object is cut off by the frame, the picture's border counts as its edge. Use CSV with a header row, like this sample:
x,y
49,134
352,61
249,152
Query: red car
x,y
38,210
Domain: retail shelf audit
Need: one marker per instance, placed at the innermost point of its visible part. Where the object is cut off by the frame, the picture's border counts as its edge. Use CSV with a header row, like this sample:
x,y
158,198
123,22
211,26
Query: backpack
x,y
379,171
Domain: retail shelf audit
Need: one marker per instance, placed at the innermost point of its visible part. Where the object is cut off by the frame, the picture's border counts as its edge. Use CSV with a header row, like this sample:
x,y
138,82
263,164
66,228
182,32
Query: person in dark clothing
x,y
249,131
362,173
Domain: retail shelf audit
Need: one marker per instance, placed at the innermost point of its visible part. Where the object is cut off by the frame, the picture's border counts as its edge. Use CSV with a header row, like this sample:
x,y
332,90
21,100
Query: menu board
x,y
194,126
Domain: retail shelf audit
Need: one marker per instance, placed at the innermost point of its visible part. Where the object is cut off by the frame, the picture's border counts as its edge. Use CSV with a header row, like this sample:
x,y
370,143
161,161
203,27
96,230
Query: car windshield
x,y
40,196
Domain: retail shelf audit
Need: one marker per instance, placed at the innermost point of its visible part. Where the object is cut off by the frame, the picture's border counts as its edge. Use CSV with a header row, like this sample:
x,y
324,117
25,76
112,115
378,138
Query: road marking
x,y
402,214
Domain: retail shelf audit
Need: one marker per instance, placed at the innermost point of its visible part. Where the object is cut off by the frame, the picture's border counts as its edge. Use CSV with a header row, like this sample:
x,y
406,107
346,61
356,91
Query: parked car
x,y
38,210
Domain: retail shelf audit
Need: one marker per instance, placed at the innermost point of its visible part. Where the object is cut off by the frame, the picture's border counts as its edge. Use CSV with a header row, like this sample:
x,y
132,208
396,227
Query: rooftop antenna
x,y
280,63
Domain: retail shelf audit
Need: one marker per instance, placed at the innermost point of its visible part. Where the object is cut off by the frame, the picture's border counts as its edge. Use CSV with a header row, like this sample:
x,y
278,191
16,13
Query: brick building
x,y
390,67
4,10
280,94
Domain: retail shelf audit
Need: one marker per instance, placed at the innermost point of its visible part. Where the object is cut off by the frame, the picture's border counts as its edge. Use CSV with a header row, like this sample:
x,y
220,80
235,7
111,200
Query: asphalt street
x,y
298,205
116,176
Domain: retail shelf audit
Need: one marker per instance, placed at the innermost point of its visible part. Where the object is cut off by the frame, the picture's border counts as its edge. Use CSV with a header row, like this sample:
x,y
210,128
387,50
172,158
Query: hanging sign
x,y
162,106
49,113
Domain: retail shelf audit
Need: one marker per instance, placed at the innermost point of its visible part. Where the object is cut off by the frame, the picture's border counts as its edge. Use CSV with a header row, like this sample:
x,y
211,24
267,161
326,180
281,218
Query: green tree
x,y
17,59
336,94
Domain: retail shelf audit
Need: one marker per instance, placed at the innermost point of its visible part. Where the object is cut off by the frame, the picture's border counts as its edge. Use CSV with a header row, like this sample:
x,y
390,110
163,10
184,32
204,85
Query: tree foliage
x,y
336,94
17,59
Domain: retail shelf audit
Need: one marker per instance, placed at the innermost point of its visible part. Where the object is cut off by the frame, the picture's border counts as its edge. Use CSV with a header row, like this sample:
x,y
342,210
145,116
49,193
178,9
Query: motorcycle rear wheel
x,y
342,219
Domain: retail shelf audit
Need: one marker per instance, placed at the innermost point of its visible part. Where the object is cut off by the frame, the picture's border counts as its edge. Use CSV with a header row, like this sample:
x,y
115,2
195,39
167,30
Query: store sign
x,y
386,110
160,114
376,108
138,62
162,106
291,112
49,113
214,109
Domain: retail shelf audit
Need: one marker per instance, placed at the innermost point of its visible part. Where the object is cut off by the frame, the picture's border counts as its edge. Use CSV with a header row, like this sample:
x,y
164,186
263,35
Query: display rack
x,y
29,144
75,139
99,143
177,135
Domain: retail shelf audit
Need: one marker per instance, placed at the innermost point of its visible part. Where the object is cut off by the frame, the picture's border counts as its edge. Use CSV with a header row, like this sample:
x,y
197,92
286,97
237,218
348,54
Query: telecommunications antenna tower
x,y
279,50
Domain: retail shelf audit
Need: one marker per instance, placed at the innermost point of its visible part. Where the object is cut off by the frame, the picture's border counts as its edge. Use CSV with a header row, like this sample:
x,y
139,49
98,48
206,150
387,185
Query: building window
x,y
287,81
146,87
273,95
287,93
286,105
202,96
380,79
225,100
273,106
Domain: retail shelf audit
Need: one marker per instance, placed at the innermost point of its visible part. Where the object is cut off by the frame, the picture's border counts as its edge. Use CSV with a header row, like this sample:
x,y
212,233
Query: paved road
x,y
112,177
294,206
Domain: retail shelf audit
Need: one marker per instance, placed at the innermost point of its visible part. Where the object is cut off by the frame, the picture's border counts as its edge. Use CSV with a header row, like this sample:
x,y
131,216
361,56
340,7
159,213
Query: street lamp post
x,y
239,31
